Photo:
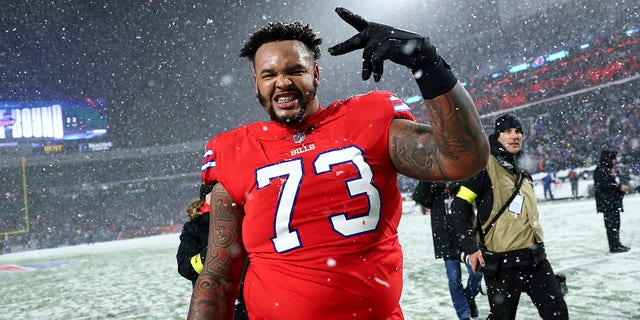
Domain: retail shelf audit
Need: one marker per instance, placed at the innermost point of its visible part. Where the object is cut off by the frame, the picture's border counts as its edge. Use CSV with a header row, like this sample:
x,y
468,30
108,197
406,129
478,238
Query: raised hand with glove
x,y
382,42
454,138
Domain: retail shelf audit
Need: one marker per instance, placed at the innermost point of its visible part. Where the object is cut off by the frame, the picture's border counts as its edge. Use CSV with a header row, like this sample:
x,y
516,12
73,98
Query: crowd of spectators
x,y
68,216
615,58
571,132
520,38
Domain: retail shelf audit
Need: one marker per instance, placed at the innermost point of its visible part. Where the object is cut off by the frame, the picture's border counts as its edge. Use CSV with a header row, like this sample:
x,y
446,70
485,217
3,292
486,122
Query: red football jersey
x,y
322,207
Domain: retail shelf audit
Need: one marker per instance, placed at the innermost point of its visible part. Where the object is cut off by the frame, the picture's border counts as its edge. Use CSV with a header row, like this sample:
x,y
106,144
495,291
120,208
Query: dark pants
x,y
574,189
612,224
539,282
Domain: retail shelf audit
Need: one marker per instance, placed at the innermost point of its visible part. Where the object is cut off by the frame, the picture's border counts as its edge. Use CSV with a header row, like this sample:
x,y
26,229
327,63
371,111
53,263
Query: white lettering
x,y
47,124
56,120
303,149
36,118
27,130
100,146
16,129
38,122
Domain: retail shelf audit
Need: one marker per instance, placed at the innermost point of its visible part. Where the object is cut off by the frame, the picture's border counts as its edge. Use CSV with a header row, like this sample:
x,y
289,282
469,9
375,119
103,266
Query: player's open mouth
x,y
286,101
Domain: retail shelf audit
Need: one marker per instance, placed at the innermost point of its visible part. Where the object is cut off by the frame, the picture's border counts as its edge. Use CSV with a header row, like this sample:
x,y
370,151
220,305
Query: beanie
x,y
506,122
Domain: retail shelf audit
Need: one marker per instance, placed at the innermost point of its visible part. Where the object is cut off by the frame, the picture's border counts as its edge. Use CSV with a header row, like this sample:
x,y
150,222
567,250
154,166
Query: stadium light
x,y
557,55
520,67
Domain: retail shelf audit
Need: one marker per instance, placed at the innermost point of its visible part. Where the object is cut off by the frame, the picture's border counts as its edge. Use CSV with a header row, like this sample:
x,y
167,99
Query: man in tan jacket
x,y
505,237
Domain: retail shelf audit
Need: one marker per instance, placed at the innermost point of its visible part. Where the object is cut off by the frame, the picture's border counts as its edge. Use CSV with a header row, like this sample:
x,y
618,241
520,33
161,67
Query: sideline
x,y
130,310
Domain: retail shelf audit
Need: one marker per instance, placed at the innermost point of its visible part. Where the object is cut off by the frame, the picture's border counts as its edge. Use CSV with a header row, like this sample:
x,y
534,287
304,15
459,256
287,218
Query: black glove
x,y
381,42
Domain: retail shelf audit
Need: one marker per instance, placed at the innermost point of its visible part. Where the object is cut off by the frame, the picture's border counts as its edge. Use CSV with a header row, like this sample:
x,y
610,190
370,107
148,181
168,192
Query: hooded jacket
x,y
605,185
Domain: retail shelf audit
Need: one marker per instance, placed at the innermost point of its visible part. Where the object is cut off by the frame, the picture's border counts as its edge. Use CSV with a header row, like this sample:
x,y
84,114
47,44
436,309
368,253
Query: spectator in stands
x,y
609,191
505,236
446,245
311,196
193,239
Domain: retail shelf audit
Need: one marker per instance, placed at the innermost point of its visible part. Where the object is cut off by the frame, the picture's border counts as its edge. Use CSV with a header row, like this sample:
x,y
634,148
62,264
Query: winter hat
x,y
205,190
506,122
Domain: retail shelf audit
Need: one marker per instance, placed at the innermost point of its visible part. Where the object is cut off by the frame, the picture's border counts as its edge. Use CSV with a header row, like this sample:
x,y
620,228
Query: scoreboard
x,y
53,125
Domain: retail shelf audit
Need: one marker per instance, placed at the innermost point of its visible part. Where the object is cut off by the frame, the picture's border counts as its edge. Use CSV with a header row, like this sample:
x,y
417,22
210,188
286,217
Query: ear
x,y
255,83
316,74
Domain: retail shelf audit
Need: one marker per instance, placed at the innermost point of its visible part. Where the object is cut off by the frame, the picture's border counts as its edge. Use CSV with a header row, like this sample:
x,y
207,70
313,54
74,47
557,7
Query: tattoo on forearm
x,y
222,234
216,285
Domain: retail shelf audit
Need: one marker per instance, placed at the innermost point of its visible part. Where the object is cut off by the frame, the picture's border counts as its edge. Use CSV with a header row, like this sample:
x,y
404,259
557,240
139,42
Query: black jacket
x,y
605,187
193,240
445,241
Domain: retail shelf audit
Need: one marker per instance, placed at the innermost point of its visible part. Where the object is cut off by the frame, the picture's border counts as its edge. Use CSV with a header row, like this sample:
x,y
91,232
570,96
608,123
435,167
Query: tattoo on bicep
x,y
412,155
430,151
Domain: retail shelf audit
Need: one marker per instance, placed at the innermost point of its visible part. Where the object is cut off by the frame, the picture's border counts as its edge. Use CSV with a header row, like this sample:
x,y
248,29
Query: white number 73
x,y
285,238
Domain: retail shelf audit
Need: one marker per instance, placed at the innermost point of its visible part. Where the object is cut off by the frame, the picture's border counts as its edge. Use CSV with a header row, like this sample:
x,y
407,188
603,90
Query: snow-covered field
x,y
137,279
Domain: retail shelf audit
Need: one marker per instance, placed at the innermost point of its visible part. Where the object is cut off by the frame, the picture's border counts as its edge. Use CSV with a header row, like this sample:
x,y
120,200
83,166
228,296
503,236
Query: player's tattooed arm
x,y
215,291
452,147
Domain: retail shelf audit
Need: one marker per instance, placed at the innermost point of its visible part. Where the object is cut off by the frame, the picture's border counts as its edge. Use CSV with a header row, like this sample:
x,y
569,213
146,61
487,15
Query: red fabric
x,y
308,259
204,208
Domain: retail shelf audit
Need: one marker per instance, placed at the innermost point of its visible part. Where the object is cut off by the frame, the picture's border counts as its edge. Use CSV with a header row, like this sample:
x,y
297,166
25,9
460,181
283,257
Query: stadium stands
x,y
572,107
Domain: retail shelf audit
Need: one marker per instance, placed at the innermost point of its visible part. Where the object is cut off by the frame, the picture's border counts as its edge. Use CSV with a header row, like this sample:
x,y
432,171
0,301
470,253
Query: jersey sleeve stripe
x,y
208,165
398,104
208,161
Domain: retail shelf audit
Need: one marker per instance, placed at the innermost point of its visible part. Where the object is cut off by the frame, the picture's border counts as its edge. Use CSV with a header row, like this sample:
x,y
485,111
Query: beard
x,y
296,119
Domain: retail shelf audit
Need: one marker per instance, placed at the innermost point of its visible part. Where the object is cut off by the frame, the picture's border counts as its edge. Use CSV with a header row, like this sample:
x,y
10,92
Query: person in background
x,y
547,181
446,245
193,239
609,191
505,236
573,180
312,196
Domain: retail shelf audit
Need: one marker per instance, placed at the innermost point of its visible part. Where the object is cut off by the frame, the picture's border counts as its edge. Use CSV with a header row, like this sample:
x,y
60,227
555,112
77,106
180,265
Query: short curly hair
x,y
193,209
282,31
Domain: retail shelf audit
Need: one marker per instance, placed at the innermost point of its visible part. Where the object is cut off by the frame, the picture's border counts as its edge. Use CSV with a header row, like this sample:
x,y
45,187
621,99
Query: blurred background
x,y
106,106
